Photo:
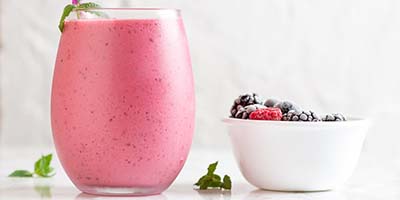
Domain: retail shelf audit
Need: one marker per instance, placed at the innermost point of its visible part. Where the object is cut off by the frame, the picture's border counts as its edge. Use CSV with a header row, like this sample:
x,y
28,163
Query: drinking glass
x,y
123,104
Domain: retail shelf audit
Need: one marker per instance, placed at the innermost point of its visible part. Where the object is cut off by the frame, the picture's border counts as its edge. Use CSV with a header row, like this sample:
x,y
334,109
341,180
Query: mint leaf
x,y
211,168
67,10
215,184
88,5
212,180
216,177
205,184
227,184
21,173
42,166
202,180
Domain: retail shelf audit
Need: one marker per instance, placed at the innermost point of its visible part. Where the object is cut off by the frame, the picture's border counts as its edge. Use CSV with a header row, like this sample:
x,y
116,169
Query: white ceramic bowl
x,y
296,156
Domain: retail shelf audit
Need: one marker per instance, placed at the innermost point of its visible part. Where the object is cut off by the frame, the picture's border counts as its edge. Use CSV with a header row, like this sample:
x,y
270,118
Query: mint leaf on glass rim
x,y
79,7
67,10
21,173
88,5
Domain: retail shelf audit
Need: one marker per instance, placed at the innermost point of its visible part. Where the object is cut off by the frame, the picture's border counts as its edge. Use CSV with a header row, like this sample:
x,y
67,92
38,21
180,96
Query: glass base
x,y
121,191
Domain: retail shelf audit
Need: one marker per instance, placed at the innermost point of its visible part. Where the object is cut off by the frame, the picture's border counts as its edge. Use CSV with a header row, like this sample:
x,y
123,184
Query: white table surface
x,y
375,178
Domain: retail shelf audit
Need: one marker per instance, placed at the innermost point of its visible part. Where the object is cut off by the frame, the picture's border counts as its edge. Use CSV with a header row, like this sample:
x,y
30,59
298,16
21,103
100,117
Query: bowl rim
x,y
350,122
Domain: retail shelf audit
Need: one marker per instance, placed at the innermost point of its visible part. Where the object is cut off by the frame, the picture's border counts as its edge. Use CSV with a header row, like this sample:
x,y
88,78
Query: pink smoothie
x,y
123,102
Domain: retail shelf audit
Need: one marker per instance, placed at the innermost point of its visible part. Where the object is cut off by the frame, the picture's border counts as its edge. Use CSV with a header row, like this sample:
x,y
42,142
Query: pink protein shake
x,y
123,104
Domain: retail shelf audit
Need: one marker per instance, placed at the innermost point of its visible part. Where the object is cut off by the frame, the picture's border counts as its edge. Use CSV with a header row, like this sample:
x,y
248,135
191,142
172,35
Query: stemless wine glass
x,y
122,104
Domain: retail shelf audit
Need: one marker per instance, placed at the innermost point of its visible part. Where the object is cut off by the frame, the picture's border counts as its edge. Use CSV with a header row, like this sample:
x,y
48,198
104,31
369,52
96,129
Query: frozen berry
x,y
244,112
243,101
286,106
304,116
271,102
334,117
267,114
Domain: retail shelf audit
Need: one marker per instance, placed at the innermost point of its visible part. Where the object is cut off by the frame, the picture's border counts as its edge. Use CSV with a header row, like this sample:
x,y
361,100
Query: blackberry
x,y
303,116
244,112
333,117
287,106
243,101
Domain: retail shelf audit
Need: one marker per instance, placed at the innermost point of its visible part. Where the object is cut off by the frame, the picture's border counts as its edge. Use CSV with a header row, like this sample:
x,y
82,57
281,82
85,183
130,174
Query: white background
x,y
329,56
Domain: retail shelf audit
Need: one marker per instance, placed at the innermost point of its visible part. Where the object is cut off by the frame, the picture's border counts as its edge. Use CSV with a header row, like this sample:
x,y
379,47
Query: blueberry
x,y
286,106
271,102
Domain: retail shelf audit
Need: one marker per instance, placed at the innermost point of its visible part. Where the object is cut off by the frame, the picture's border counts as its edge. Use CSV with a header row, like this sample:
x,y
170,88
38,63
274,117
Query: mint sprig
x,y
67,10
79,6
212,180
42,168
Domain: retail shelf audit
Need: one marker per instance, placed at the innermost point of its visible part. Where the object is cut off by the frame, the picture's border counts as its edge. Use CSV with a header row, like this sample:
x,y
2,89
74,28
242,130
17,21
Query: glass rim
x,y
129,13
133,9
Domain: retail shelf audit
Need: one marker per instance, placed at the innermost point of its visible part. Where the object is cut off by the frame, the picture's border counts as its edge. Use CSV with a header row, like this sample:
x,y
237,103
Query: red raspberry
x,y
267,114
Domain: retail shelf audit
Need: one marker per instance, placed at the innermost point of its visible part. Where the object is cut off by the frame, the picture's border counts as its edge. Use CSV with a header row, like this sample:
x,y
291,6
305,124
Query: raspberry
x,y
267,114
